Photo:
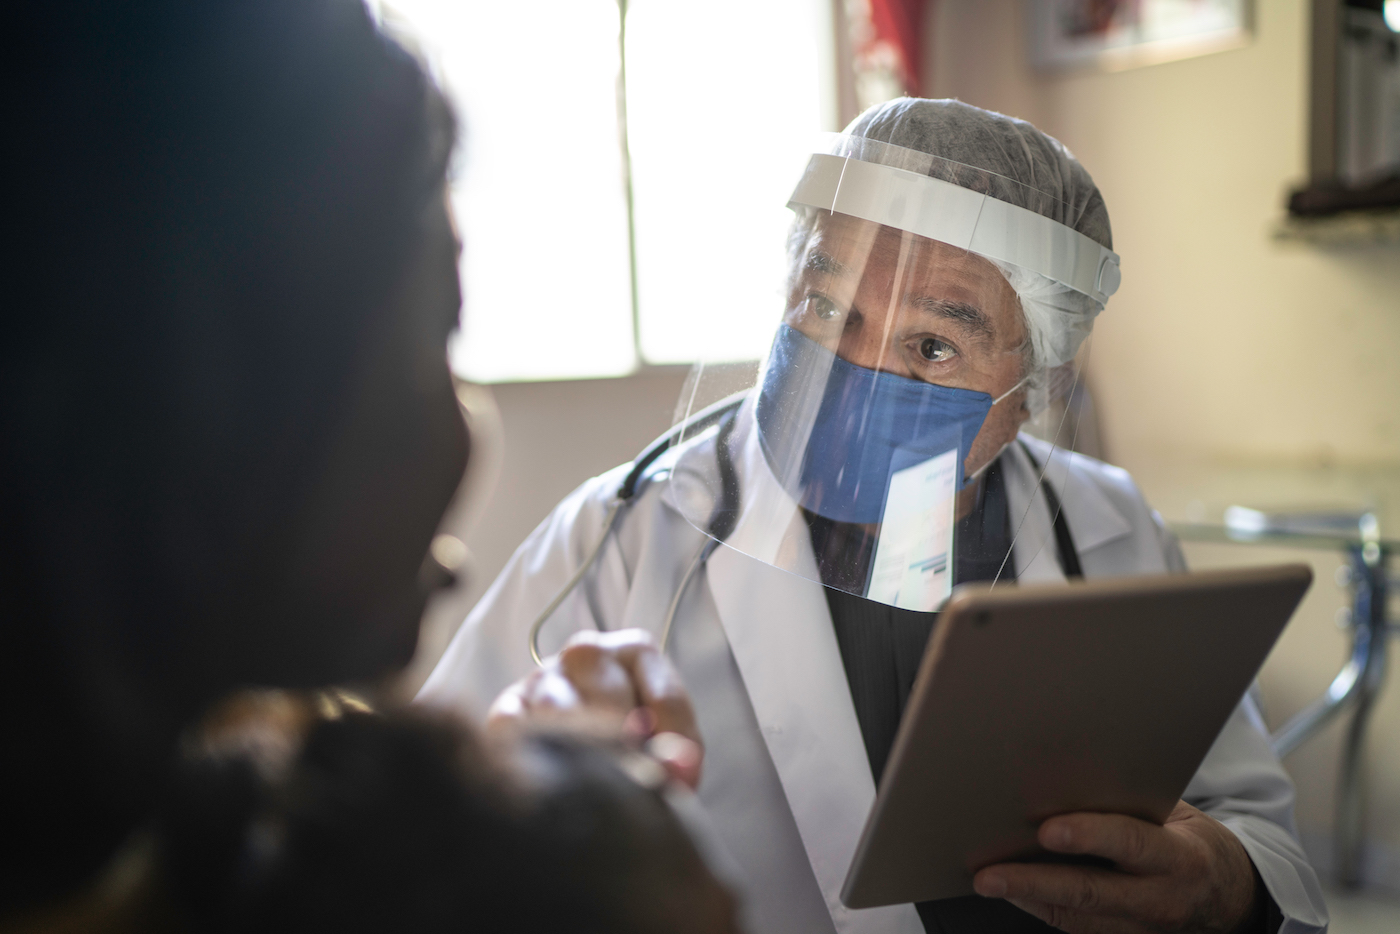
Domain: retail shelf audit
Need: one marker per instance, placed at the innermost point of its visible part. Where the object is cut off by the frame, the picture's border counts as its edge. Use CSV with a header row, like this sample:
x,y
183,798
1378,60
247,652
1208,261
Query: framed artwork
x,y
1114,34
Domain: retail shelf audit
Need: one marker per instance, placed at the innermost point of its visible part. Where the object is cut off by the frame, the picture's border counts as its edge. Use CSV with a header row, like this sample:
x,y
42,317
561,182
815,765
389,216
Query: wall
x,y
1229,367
1273,352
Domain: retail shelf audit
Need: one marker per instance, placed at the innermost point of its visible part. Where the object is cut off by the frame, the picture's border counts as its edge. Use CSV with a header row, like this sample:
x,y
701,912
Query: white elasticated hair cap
x,y
1012,161
1058,319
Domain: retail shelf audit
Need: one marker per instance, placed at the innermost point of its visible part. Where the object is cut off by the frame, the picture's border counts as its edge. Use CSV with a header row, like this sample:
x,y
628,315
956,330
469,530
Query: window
x,y
562,276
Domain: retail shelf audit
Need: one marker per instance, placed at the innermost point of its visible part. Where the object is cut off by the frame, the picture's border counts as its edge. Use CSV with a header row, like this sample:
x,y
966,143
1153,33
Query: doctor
x,y
946,264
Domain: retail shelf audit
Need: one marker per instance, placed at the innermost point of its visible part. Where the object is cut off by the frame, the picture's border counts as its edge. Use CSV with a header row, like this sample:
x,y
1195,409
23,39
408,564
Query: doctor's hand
x,y
1190,875
610,683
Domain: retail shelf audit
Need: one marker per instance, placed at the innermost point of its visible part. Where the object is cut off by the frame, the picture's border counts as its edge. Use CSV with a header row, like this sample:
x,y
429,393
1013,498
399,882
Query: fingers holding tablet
x,y
1192,874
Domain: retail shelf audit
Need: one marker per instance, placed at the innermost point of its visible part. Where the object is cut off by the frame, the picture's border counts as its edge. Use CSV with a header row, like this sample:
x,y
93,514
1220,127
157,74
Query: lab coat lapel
x,y
780,631
1092,518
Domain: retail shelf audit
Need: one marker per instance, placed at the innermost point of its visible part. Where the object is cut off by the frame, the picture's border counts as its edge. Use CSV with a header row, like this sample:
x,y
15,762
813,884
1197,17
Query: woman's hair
x,y
409,822
213,204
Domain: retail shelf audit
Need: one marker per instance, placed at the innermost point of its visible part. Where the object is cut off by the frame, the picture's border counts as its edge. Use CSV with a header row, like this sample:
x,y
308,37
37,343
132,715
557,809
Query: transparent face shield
x,y
868,452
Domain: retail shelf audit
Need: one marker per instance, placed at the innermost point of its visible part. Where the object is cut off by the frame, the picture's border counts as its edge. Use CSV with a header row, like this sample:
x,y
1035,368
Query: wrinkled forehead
x,y
864,254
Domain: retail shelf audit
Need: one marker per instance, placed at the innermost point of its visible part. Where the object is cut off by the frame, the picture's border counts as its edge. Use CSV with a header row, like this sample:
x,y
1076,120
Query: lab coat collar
x,y
1093,519
779,630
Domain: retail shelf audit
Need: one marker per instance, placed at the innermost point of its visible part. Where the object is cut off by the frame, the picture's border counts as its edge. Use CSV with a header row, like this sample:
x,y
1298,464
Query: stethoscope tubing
x,y
627,493
614,511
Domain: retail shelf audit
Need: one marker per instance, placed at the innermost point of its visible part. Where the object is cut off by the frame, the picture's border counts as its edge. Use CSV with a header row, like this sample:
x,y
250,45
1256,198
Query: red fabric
x,y
901,24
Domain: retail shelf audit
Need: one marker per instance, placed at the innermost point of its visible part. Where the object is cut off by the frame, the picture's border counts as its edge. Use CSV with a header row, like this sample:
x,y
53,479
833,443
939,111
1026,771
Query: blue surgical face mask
x,y
864,426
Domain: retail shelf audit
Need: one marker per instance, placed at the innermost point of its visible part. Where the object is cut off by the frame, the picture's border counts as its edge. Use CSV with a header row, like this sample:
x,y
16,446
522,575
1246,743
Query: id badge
x,y
913,566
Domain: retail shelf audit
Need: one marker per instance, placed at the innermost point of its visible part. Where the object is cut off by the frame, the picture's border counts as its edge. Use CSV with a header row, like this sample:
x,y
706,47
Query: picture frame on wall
x,y
1110,35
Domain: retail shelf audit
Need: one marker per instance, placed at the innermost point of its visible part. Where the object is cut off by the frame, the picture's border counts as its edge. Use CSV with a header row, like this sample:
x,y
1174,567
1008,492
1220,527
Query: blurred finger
x,y
1133,845
658,684
507,709
638,726
680,756
1092,891
512,707
594,673
551,692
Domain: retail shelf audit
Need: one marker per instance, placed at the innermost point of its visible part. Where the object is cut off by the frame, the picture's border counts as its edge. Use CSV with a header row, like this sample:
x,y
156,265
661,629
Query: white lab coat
x,y
787,784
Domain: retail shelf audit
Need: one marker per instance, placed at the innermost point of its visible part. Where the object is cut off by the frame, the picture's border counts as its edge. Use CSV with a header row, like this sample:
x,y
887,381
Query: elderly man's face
x,y
893,301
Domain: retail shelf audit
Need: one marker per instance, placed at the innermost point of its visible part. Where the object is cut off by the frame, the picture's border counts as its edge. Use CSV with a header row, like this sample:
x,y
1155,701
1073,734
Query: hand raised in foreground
x,y
1190,875
610,682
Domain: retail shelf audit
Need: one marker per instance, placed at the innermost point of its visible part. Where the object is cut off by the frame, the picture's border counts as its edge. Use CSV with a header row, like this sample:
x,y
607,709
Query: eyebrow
x,y
817,261
970,316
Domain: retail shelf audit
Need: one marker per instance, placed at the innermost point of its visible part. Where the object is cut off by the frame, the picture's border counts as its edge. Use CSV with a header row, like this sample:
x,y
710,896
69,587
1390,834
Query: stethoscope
x,y
726,512
721,523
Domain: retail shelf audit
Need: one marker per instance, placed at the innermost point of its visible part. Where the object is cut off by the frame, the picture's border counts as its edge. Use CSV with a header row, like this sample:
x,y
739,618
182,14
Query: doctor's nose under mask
x,y
890,355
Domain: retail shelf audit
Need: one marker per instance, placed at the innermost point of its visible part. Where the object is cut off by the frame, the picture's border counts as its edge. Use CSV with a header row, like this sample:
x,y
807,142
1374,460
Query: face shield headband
x,y
939,210
846,464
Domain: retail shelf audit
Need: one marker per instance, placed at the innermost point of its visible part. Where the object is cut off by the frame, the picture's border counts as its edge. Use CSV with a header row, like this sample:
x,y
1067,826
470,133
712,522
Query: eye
x,y
824,307
935,350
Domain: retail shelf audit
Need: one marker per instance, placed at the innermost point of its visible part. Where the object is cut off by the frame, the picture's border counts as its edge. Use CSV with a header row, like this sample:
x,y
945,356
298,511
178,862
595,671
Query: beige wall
x,y
1229,367
1271,351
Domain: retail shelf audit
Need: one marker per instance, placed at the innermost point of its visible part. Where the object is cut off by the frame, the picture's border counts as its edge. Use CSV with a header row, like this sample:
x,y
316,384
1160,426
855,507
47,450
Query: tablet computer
x,y
1039,700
